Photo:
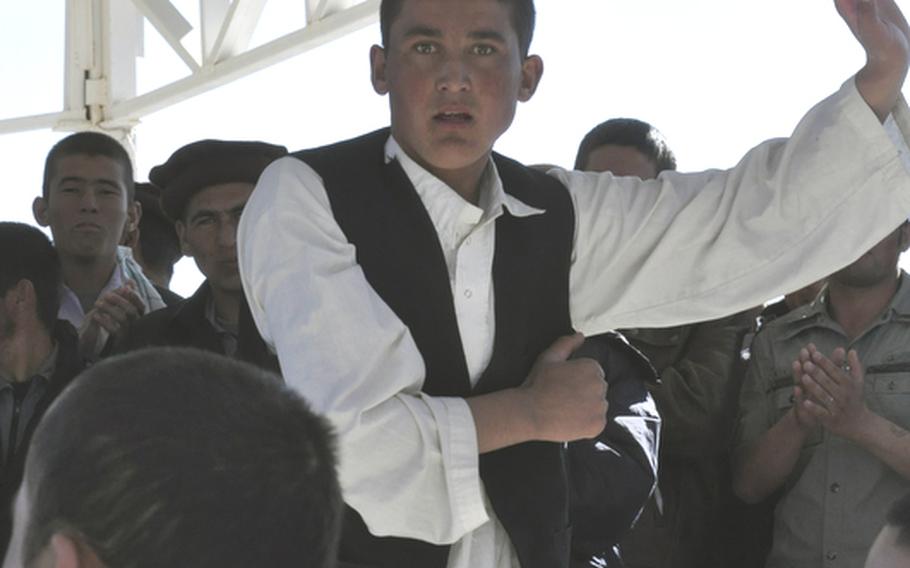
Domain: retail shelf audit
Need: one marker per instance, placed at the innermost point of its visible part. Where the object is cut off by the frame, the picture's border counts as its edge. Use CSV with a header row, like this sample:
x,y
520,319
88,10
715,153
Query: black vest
x,y
380,213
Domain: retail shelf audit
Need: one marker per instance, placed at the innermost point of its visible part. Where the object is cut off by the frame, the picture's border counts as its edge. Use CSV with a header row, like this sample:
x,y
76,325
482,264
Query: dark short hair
x,y
899,518
89,144
158,239
523,16
629,132
178,457
27,254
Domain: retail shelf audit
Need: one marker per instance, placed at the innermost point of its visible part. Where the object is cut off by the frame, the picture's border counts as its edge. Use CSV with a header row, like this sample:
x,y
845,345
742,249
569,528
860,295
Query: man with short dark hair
x,y
436,284
177,457
205,186
826,430
625,147
154,242
891,548
88,201
38,353
696,393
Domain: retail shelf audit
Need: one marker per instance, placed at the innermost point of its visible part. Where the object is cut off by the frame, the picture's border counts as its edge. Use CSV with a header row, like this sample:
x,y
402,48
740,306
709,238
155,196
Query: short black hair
x,y
27,254
89,144
523,17
178,457
629,132
899,518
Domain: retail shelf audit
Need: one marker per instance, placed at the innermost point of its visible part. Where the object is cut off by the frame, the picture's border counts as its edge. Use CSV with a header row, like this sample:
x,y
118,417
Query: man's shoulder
x,y
155,328
338,155
787,325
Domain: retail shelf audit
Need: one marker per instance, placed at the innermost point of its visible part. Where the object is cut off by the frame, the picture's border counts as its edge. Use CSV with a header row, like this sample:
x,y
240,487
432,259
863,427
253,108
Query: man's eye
x,y
484,49
203,222
424,48
69,189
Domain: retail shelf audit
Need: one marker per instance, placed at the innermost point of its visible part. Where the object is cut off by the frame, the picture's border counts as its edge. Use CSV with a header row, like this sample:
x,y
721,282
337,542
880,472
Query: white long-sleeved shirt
x,y
682,248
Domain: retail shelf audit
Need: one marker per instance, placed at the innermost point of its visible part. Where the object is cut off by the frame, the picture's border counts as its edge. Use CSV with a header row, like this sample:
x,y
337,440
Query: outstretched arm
x,y
882,30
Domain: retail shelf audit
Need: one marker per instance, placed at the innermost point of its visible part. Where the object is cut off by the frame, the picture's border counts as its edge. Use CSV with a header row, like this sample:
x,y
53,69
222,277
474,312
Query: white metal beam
x,y
171,24
236,29
211,16
275,51
104,38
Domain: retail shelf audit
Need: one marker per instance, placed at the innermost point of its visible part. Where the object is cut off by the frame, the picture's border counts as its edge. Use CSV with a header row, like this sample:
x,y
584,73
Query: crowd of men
x,y
404,350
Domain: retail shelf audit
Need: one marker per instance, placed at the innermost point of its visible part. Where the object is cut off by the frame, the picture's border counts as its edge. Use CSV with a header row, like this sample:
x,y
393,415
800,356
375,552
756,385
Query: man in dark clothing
x,y
696,363
39,354
154,241
204,188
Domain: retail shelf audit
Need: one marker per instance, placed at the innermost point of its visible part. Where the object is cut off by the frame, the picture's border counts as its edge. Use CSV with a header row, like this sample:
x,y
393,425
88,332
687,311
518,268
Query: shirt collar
x,y
70,308
816,312
493,197
44,372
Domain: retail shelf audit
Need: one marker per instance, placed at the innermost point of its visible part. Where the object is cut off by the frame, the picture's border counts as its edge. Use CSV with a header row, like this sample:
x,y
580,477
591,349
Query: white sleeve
x,y
693,247
408,462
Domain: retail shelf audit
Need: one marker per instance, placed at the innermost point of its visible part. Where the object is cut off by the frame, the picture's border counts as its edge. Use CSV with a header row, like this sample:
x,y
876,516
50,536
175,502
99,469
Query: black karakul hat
x,y
209,162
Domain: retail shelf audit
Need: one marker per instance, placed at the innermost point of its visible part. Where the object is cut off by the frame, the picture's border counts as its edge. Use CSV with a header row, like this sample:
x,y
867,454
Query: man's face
x,y
886,552
620,161
87,206
208,232
453,72
879,264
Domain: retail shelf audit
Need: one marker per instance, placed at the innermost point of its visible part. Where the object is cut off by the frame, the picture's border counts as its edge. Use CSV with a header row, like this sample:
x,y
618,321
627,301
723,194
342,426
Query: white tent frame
x,y
104,38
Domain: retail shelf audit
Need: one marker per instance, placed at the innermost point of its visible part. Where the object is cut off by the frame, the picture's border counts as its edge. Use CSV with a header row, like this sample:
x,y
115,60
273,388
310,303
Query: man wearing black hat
x,y
204,187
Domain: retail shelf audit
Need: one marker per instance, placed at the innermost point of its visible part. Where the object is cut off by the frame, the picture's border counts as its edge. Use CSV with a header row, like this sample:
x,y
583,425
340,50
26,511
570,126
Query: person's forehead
x,y
621,160
220,197
454,17
90,168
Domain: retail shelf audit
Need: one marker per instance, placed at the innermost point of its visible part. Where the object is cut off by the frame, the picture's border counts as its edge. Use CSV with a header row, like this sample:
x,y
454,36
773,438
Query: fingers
x,y
855,367
562,348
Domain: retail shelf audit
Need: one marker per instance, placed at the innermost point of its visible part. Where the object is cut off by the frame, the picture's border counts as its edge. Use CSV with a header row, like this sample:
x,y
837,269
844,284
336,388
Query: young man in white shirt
x,y
323,291
88,201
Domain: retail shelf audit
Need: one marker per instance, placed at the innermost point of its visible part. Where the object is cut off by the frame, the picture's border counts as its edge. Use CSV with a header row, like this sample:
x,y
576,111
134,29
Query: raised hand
x,y
110,314
884,34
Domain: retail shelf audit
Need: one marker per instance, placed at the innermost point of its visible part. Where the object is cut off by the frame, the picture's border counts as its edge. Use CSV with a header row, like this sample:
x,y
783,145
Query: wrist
x,y
801,429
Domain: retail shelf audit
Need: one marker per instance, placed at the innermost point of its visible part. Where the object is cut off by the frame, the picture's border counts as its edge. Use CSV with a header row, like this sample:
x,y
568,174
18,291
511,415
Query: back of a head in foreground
x,y
892,547
175,457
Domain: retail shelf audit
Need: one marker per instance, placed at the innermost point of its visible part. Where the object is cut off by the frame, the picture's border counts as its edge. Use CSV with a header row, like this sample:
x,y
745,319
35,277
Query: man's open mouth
x,y
454,117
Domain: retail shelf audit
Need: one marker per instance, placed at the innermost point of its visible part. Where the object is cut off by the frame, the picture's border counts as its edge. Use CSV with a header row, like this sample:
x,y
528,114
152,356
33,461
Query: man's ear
x,y
180,227
377,70
531,72
133,216
39,210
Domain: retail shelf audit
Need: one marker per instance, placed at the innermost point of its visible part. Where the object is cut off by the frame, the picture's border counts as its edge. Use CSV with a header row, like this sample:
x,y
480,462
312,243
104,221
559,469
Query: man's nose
x,y
454,74
89,201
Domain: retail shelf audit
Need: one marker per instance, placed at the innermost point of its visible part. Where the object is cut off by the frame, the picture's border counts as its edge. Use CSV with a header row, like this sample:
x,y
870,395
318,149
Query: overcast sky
x,y
716,76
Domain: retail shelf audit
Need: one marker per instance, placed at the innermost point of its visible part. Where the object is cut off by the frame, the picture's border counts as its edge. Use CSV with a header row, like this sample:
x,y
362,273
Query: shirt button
x,y
831,555
468,293
892,385
835,487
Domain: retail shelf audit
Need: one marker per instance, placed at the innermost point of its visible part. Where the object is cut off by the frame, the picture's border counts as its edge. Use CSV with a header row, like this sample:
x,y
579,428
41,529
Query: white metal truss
x,y
104,38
